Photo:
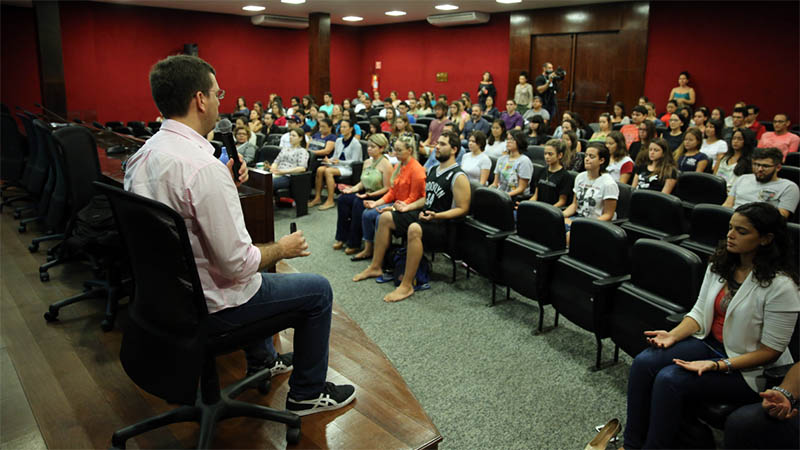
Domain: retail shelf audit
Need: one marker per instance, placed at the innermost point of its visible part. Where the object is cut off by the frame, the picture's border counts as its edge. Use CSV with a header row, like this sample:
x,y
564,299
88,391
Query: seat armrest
x,y
775,375
499,236
619,222
610,282
676,318
551,255
676,239
110,181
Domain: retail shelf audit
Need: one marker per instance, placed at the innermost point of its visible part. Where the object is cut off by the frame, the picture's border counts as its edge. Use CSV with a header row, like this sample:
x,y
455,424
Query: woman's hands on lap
x,y
660,338
697,366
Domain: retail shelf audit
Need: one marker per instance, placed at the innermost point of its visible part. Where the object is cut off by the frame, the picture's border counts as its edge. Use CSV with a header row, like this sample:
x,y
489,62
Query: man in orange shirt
x,y
631,131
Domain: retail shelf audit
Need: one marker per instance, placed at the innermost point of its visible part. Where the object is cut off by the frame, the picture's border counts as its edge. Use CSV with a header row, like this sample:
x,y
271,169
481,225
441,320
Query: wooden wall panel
x,y
51,62
319,54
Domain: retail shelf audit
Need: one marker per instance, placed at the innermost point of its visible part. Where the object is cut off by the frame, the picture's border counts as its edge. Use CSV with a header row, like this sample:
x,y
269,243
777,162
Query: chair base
x,y
207,414
93,289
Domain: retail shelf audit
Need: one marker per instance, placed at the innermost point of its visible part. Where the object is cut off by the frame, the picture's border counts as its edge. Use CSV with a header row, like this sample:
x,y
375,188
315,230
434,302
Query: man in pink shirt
x,y
780,138
177,167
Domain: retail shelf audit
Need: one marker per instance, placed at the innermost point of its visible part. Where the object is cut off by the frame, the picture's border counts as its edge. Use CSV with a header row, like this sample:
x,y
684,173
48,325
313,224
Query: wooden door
x,y
556,49
594,74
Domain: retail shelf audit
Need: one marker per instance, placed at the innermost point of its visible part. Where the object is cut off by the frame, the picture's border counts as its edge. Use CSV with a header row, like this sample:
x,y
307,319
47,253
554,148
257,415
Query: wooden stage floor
x,y
73,383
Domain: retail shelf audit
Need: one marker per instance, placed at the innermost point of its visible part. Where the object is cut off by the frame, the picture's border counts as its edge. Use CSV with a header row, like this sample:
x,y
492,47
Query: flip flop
x,y
324,207
360,258
385,278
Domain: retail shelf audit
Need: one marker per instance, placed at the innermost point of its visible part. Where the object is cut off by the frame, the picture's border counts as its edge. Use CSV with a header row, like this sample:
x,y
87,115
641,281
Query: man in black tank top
x,y
447,197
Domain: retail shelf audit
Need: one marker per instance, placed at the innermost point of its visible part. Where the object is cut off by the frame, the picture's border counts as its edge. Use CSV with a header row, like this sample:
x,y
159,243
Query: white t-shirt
x,y
715,149
615,167
472,165
496,150
780,193
591,193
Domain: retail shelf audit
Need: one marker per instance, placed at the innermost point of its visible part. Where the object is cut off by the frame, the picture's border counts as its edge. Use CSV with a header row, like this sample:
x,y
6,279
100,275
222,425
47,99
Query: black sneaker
x,y
282,364
332,397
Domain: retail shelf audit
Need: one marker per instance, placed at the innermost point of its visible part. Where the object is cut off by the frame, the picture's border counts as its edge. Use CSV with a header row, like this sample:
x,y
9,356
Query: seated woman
x,y
573,160
713,146
619,116
387,124
537,133
659,174
374,127
277,113
742,322
552,185
490,109
700,118
292,159
241,107
688,155
496,144
255,124
243,144
401,127
454,114
672,106
605,127
738,160
718,114
423,106
674,136
407,184
621,166
596,193
323,141
638,149
514,171
346,151
349,114
475,163
375,181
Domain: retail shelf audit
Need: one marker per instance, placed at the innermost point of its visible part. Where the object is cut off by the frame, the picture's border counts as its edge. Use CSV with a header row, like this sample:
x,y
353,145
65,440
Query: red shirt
x,y
758,129
719,316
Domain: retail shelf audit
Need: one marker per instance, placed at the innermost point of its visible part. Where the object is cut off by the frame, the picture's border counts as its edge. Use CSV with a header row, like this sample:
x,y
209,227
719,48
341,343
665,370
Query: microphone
x,y
224,131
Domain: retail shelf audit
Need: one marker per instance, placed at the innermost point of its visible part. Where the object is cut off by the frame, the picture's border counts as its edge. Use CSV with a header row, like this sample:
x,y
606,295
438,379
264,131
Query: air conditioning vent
x,y
270,20
461,18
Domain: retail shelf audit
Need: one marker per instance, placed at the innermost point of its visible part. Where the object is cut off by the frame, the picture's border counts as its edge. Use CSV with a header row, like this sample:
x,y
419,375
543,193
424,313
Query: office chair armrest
x,y
775,375
676,239
676,318
499,236
551,255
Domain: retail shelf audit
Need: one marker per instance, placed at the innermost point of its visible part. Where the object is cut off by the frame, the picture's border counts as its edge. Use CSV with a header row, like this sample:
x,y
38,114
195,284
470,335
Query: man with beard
x,y
763,185
447,197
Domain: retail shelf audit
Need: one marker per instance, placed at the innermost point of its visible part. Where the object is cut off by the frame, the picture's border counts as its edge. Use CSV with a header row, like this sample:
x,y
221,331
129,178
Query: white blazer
x,y
756,315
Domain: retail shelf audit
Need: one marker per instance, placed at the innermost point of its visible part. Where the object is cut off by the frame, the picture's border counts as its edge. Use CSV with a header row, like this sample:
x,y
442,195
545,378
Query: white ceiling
x,y
372,11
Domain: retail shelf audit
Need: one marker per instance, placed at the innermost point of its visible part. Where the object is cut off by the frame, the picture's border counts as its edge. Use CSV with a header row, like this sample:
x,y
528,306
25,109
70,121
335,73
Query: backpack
x,y
423,277
95,225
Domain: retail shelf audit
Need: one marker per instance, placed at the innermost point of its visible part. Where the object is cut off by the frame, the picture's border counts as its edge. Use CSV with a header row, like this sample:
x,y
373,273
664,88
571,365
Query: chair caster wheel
x,y
33,248
292,435
106,325
44,277
51,316
22,228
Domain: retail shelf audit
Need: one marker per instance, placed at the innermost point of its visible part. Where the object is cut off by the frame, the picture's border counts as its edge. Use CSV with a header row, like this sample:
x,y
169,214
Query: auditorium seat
x,y
623,203
792,159
697,187
708,226
654,215
536,154
421,130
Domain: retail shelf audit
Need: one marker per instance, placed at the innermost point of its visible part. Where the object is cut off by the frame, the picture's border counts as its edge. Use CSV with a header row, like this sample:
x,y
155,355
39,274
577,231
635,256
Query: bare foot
x,y
369,272
350,250
338,245
400,293
316,201
363,255
326,205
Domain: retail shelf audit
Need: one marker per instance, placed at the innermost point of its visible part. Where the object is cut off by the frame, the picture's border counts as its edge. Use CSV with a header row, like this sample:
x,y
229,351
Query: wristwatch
x,y
786,394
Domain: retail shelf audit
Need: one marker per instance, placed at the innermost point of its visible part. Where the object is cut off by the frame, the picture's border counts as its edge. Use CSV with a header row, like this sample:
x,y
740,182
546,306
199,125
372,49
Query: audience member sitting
x,y
243,144
490,110
291,159
573,159
486,89
350,115
536,110
402,110
255,124
631,130
327,103
454,113
496,144
575,125
476,122
742,321
269,124
295,103
674,136
713,146
604,121
718,114
241,107
389,116
375,180
700,118
277,114
773,423
688,154
643,100
514,170
537,131
434,129
651,114
336,117
312,118
552,185
347,150
737,161
619,116
293,122
407,185
621,165
638,149
374,127
737,118
424,221
423,106
475,163
683,94
511,117
781,138
751,121
672,107
659,174
323,141
394,99
596,193
764,185
401,127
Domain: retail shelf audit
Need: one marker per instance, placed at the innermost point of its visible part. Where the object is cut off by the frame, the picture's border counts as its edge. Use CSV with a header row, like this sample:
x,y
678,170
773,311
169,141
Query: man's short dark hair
x,y
328,93
768,153
440,105
452,139
640,109
402,104
175,80
754,108
740,110
442,96
327,121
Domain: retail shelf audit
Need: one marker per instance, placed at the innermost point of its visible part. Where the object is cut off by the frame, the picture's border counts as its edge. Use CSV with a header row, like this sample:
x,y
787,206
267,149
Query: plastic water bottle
x,y
224,156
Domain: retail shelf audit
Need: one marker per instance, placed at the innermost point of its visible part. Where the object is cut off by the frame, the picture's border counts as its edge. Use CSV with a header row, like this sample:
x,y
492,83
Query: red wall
x,y
109,49
734,51
346,54
412,53
19,76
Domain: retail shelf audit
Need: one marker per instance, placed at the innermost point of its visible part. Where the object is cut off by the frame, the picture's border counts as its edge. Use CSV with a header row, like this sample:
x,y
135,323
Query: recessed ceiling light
x,y
352,18
446,7
509,1
395,13
253,8
293,2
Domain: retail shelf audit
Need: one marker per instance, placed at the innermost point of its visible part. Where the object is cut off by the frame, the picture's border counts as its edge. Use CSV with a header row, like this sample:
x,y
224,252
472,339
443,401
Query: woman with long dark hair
x,y
486,89
743,320
738,160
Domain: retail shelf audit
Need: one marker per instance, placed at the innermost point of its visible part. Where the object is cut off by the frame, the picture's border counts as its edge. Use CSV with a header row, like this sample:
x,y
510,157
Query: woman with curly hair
x,y
742,322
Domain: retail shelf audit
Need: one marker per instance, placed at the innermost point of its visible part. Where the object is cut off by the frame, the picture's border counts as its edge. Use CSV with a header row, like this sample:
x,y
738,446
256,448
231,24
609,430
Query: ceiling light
x,y
293,2
352,18
446,7
395,13
509,1
253,8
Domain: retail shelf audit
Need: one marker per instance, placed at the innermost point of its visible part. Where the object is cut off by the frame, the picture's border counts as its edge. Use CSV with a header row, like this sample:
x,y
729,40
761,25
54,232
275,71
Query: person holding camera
x,y
545,87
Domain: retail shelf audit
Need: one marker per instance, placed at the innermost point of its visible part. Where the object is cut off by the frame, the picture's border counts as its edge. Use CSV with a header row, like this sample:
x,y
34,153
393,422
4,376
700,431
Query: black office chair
x,y
421,129
655,215
154,126
35,174
260,139
274,139
790,173
57,213
536,154
425,120
529,254
664,281
597,260
707,227
46,170
112,125
491,220
14,154
792,159
698,187
623,203
166,349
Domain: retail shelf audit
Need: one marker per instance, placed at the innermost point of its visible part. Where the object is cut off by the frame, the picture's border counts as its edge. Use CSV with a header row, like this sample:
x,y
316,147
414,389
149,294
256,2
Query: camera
x,y
560,74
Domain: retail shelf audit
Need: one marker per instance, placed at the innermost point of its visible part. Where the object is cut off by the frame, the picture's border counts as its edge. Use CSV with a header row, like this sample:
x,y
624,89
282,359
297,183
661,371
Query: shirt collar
x,y
181,129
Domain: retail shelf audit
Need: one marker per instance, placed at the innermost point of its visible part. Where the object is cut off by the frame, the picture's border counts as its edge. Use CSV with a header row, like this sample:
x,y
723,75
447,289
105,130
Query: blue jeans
x,y
281,182
348,222
751,427
280,293
369,221
658,390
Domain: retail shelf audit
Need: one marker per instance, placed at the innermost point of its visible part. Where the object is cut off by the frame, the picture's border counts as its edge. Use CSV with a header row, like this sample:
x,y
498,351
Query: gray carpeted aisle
x,y
482,377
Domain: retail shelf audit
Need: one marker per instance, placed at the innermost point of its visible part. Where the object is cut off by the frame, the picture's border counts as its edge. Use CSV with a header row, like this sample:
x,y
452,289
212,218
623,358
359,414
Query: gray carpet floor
x,y
481,375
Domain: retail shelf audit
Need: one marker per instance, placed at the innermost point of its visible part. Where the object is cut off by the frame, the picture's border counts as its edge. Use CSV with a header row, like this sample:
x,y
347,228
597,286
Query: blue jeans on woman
x,y
658,390
348,222
369,221
280,293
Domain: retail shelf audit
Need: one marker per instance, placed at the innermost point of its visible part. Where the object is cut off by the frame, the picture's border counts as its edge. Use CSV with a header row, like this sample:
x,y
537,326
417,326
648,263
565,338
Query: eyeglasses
x,y
778,121
762,166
